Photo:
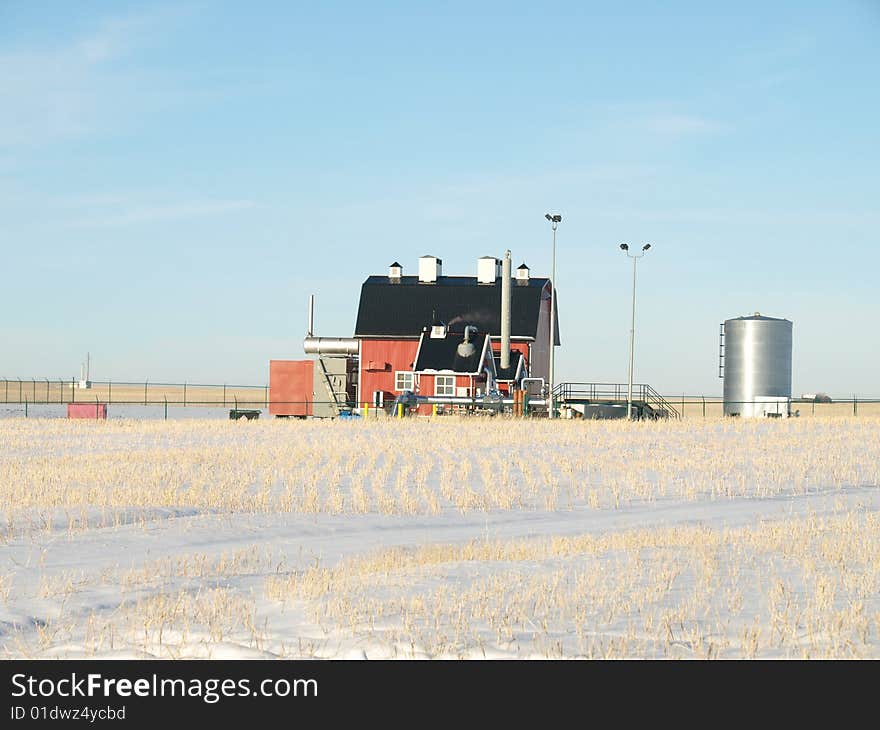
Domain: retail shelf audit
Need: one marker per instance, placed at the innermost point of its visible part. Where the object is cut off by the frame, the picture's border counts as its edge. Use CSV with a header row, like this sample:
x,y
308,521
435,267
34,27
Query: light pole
x,y
632,327
555,219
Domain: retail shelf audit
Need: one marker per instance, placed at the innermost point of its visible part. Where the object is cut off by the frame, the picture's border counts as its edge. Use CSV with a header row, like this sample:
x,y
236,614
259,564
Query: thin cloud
x,y
775,79
737,217
114,38
662,117
159,213
72,88
679,125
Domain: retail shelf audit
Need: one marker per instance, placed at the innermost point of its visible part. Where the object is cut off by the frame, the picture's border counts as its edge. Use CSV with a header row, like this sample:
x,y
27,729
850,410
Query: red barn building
x,y
398,315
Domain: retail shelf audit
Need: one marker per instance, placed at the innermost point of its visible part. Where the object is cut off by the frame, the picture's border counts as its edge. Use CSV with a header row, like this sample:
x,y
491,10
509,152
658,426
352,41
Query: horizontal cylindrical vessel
x,y
330,346
757,366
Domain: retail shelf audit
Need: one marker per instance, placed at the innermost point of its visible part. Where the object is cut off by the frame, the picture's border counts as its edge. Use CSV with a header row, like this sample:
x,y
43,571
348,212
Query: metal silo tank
x,y
756,354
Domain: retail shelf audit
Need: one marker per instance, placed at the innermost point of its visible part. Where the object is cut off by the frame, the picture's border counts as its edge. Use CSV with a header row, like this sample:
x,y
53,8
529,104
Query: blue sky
x,y
177,178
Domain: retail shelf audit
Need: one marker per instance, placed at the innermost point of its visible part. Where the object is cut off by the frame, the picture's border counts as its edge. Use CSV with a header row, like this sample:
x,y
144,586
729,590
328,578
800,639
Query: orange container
x,y
291,387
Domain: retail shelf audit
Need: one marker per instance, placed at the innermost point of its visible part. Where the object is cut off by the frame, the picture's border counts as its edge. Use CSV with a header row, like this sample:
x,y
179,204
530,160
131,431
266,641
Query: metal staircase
x,y
659,404
335,389
647,402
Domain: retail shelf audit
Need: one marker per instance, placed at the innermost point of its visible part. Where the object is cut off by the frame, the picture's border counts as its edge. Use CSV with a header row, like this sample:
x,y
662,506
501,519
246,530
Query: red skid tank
x,y
291,387
87,410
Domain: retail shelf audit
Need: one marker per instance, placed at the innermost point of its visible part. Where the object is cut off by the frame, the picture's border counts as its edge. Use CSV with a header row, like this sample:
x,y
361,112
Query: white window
x,y
444,385
404,381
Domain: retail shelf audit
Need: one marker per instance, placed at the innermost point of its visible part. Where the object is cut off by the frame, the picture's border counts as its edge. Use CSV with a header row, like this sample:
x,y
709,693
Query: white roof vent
x,y
395,271
522,274
488,269
466,348
430,269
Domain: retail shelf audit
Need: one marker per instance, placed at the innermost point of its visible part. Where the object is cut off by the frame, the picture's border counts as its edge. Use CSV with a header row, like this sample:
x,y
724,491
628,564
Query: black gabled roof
x,y
441,353
401,309
507,373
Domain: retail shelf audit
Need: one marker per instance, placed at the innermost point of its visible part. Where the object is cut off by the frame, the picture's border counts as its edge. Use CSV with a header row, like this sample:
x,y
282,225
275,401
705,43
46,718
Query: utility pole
x,y
632,326
555,219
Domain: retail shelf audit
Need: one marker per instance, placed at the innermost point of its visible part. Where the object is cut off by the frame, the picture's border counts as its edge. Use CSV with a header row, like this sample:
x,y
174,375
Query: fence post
x,y
60,391
34,383
145,391
855,405
19,390
224,395
184,394
267,396
97,408
73,390
704,405
6,397
25,408
165,397
109,391
47,391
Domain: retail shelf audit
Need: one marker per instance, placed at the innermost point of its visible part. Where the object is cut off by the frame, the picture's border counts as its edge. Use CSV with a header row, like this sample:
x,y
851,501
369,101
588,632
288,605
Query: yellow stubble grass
x,y
796,588
101,473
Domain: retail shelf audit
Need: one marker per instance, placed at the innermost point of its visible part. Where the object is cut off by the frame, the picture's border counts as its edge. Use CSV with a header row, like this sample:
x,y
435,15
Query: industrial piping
x,y
329,346
505,311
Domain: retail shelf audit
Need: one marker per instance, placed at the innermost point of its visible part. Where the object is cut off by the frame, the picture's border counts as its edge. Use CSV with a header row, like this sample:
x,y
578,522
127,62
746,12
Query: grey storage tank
x,y
755,363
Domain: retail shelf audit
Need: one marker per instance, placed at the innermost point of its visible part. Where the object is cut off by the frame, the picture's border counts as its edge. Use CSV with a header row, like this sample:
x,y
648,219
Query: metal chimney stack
x,y
505,311
326,346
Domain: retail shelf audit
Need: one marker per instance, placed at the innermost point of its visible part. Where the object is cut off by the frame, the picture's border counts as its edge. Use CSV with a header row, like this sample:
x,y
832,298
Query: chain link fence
x,y
48,391
49,397
699,406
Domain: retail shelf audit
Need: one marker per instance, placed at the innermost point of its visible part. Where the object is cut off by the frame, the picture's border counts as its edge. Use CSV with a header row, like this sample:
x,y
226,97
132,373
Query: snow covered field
x,y
439,538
